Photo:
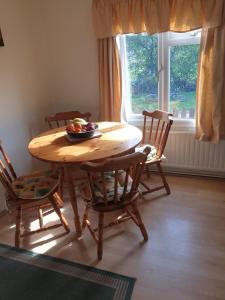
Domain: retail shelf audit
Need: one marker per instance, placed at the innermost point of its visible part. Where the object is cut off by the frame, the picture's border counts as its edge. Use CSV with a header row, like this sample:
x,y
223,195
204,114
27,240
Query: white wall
x,y
69,44
48,64
21,86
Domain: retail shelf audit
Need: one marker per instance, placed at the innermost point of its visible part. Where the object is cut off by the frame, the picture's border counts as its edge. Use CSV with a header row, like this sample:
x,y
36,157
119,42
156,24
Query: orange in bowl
x,y
77,130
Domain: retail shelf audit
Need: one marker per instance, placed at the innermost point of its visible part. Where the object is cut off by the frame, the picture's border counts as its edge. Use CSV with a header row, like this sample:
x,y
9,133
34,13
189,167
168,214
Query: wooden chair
x,y
156,129
33,191
111,188
63,118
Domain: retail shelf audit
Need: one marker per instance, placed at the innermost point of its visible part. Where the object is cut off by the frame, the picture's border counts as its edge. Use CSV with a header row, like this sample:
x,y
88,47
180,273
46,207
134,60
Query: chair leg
x,y
100,234
18,225
63,220
61,184
40,215
59,199
85,217
147,171
54,169
139,221
166,185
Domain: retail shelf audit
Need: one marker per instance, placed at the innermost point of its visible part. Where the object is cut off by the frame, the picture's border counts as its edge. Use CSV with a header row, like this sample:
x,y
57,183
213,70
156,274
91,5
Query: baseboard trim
x,y
191,172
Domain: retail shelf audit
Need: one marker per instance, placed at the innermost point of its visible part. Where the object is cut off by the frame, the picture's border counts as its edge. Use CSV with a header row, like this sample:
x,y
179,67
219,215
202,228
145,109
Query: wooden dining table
x,y
53,146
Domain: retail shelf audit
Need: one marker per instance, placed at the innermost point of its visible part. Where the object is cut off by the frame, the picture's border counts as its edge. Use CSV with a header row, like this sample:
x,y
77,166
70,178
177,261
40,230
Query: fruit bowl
x,y
85,131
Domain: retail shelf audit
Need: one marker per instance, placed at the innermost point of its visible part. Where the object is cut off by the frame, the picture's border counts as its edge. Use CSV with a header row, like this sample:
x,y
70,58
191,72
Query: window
x,y
160,71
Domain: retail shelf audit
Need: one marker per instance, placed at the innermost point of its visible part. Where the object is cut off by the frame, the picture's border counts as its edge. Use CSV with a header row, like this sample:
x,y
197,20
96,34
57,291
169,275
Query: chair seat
x,y
36,185
152,157
109,184
111,206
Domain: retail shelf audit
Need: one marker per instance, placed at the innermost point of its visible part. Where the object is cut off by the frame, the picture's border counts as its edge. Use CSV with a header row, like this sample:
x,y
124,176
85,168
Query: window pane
x,y
142,65
184,35
183,76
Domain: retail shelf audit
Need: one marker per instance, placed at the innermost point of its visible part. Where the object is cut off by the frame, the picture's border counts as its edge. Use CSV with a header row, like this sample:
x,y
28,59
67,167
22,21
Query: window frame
x,y
165,41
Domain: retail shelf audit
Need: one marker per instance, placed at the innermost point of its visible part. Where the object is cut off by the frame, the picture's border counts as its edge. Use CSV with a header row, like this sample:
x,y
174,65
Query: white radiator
x,y
186,155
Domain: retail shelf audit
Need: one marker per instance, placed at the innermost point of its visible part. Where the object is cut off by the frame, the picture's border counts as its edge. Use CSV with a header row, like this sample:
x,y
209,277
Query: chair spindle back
x,y
63,118
156,129
7,173
119,170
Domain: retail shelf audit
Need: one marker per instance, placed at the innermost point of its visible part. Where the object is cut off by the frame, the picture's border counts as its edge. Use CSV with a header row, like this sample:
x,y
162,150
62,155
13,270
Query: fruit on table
x,y
73,128
90,126
79,121
78,127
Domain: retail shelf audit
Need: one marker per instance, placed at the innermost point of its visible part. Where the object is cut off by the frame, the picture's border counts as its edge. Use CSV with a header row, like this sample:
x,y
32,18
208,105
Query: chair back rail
x,y
6,184
7,168
7,172
120,170
156,129
63,118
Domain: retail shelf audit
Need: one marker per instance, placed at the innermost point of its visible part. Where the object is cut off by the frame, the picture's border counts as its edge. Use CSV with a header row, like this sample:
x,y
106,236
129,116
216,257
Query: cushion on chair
x,y
152,155
36,185
109,183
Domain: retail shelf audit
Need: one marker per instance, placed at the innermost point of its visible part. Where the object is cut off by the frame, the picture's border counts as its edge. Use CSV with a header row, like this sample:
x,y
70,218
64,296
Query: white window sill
x,y
178,124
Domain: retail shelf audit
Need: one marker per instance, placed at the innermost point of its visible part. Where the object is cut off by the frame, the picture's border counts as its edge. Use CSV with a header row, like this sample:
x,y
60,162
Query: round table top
x,y
116,139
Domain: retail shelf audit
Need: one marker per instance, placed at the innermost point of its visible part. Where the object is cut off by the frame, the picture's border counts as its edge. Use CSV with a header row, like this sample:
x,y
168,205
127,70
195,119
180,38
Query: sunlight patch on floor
x,y
12,226
45,247
43,238
34,225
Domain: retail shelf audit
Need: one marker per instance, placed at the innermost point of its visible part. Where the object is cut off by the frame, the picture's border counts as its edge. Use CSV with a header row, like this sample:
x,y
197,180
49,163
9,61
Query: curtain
x,y
112,17
109,80
210,119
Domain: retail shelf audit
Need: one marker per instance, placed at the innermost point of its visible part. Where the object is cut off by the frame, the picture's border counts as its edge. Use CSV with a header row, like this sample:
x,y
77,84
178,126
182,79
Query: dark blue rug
x,y
27,275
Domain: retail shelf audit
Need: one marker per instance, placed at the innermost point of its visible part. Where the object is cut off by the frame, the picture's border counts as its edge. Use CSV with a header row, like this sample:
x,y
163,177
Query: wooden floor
x,y
184,257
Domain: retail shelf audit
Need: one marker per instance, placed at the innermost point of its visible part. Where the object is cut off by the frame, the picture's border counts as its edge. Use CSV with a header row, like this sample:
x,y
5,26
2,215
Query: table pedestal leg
x,y
73,199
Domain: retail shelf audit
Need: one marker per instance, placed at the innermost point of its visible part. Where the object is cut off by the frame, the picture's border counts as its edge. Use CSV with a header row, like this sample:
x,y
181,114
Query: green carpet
x,y
27,275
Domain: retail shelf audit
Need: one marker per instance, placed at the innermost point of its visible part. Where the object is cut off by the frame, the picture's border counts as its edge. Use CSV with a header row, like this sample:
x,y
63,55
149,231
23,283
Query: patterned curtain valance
x,y
112,17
